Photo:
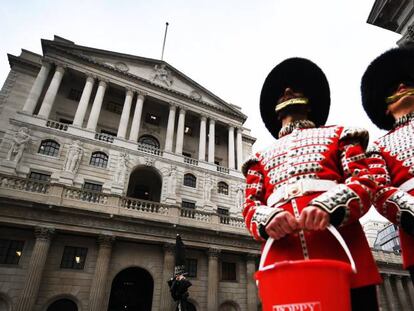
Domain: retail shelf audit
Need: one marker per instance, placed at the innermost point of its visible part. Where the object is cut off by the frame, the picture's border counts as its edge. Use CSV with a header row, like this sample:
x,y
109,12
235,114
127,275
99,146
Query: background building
x,y
394,15
105,157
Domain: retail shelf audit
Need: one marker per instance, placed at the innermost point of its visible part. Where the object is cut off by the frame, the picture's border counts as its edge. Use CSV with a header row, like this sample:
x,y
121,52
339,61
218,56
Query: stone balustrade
x,y
232,221
57,125
223,169
195,214
24,184
104,137
85,195
191,161
149,149
144,206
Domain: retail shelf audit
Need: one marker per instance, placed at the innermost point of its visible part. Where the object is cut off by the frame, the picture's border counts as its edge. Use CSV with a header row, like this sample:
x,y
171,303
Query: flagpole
x,y
165,37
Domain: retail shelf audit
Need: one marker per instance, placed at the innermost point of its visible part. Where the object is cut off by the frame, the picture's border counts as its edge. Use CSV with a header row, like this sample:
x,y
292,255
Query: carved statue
x,y
162,74
172,180
208,186
20,141
122,168
73,157
239,196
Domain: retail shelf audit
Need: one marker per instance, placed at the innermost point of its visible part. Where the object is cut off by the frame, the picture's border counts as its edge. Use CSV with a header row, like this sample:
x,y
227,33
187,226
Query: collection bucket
x,y
306,285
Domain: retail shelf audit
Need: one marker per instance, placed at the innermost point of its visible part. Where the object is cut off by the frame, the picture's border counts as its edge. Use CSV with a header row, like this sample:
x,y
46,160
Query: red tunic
x,y
391,162
331,157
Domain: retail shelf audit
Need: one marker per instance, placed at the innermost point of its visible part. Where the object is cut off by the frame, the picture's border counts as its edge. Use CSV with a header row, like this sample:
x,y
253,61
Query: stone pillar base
x,y
208,206
170,200
8,167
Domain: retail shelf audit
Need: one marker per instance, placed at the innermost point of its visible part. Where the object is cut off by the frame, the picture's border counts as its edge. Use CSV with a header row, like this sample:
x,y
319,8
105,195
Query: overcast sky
x,y
229,46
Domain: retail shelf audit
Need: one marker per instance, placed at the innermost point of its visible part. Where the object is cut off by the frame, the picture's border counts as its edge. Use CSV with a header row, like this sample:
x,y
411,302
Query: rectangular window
x,y
228,271
188,130
152,119
191,265
10,251
65,121
188,204
186,154
222,211
114,107
39,176
75,94
73,257
92,186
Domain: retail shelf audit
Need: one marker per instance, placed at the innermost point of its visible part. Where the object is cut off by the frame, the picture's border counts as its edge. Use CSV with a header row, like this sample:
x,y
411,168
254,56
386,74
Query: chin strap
x,y
292,101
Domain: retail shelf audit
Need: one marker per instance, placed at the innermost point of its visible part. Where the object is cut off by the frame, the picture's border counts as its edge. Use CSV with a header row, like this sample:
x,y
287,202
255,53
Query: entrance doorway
x,y
131,290
63,305
145,183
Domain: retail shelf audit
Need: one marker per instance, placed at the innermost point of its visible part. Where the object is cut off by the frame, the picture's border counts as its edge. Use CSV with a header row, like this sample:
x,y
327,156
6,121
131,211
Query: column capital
x,y
181,107
172,105
231,126
103,82
60,67
105,240
212,121
46,62
141,92
168,248
213,252
129,91
90,75
44,233
203,116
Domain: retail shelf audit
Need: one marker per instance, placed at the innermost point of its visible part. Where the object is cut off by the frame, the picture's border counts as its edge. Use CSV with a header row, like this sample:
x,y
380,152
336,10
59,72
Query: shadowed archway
x,y
145,183
131,290
63,305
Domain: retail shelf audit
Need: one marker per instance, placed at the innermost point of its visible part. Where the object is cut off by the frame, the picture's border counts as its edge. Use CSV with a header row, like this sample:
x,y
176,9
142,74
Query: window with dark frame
x,y
99,159
49,147
92,193
190,180
188,204
228,271
75,94
223,188
150,141
39,176
73,257
191,265
65,121
223,211
114,107
10,251
92,186
152,119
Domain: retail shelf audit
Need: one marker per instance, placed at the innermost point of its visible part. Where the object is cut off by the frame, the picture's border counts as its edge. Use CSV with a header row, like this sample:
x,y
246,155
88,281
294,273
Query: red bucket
x,y
306,285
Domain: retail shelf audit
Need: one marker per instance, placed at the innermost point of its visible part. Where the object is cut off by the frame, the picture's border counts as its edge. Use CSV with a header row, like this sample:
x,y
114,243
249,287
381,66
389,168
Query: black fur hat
x,y
299,74
381,78
179,267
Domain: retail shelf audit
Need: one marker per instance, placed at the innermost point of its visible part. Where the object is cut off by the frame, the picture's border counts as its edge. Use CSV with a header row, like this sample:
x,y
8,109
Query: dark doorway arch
x,y
145,183
63,305
131,290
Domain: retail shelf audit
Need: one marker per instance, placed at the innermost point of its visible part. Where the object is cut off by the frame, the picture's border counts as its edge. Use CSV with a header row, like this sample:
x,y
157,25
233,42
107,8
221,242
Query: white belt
x,y
408,185
299,188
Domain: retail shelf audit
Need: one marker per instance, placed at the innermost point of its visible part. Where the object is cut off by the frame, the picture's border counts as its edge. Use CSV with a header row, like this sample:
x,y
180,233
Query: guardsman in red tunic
x,y
387,89
311,176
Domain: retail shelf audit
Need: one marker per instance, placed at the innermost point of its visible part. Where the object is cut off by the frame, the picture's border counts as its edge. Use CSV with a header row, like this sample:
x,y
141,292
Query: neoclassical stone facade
x,y
104,158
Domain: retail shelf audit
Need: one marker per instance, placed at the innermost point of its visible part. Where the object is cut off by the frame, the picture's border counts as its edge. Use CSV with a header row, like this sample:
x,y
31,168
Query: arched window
x,y
149,140
99,159
49,147
190,180
223,188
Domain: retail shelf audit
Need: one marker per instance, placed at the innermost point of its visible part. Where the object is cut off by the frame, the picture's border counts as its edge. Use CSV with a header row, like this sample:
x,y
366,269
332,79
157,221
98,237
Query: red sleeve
x,y
349,201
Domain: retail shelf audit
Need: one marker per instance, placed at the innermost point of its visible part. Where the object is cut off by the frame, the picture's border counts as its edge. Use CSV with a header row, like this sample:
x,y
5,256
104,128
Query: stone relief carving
x,y
121,168
162,75
73,157
239,196
20,140
195,95
149,161
172,180
208,186
121,66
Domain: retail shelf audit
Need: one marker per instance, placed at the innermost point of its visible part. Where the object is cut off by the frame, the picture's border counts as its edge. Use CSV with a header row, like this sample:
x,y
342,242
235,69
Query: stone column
x,y
251,284
37,262
51,93
391,301
170,128
126,110
239,148
84,101
401,293
167,273
98,287
202,143
136,121
213,279
36,90
211,141
97,105
410,289
231,147
180,132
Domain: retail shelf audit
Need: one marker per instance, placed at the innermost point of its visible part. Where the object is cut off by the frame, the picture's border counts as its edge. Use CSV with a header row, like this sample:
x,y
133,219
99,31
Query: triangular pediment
x,y
156,72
